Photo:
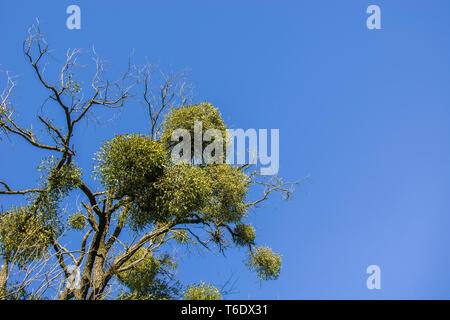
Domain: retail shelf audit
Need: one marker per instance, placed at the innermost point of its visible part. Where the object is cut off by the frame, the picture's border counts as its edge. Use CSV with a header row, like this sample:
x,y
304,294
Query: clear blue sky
x,y
365,114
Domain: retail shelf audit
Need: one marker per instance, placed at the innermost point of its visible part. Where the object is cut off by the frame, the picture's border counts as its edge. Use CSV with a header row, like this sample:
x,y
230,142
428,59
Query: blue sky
x,y
364,114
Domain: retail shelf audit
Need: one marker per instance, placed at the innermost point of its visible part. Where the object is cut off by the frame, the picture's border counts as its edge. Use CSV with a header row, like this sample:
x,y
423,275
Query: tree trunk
x,y
98,274
3,279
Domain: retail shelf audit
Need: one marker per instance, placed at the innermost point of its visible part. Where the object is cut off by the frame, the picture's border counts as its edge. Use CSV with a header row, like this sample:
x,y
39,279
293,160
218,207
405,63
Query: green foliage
x,y
181,192
26,232
73,86
229,189
202,291
150,279
77,221
214,193
136,167
244,234
59,180
185,117
265,262
129,164
181,236
56,182
23,236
